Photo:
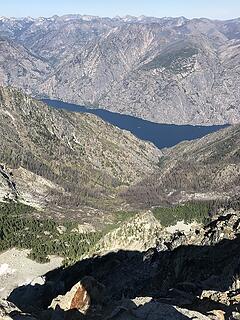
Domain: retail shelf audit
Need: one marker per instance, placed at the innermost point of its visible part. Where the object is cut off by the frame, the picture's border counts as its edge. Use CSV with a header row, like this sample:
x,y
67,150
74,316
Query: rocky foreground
x,y
188,275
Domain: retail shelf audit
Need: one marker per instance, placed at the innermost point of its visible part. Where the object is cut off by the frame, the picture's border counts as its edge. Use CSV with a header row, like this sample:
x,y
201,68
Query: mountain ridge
x,y
202,169
169,70
67,155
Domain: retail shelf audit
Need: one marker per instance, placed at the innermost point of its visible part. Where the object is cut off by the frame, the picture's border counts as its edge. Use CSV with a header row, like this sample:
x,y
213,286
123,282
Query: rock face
x,y
77,298
171,70
155,311
82,296
138,233
49,155
9,311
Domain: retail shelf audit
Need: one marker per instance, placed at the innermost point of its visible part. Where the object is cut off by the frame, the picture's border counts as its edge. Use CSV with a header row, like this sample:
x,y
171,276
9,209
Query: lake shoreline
x,y
162,135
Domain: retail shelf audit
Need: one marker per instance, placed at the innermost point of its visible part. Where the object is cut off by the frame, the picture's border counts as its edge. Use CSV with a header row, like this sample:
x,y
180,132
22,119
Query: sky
x,y
216,9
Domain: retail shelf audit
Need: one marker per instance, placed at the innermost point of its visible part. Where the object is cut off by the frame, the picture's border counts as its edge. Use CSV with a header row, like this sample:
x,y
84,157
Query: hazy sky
x,y
219,9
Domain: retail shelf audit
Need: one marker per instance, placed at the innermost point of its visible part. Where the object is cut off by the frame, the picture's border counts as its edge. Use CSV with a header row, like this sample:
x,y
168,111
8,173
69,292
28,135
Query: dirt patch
x,y
17,269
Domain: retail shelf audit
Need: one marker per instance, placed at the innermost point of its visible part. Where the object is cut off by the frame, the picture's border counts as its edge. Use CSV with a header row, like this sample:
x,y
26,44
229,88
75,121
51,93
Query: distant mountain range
x,y
167,70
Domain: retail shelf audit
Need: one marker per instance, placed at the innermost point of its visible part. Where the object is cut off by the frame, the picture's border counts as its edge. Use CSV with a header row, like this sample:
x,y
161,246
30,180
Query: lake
x,y
160,134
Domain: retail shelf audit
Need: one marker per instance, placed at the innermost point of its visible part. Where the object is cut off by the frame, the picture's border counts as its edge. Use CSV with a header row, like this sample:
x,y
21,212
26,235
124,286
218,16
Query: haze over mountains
x,y
168,70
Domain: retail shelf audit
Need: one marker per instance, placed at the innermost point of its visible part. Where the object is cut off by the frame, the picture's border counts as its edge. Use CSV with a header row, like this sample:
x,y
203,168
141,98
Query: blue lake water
x,y
162,135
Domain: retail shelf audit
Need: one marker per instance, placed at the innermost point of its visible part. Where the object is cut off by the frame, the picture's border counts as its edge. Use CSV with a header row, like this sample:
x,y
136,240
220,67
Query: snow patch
x,y
5,269
181,226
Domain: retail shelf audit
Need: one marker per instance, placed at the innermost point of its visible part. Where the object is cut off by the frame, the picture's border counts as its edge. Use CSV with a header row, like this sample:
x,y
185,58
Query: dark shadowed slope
x,y
174,276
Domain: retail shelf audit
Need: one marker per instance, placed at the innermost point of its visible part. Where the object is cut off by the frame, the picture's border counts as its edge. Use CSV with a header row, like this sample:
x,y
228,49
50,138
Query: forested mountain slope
x,y
206,168
54,156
